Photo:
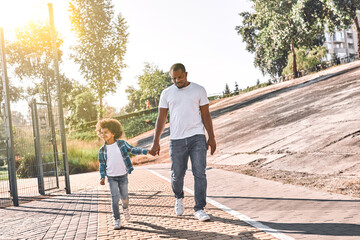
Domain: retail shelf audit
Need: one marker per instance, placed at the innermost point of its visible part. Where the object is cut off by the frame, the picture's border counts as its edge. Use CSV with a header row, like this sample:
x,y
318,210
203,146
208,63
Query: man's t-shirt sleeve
x,y
163,103
203,97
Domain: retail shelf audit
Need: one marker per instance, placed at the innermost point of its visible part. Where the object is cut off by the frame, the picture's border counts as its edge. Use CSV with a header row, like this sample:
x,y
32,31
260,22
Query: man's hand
x,y
155,149
212,143
102,181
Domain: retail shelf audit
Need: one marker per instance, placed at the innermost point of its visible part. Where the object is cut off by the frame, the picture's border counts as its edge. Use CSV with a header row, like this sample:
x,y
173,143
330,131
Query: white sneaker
x,y
201,215
179,207
117,224
127,215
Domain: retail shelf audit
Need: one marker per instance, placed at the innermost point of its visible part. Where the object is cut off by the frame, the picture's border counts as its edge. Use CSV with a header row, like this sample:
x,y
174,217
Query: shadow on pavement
x,y
186,234
289,199
324,229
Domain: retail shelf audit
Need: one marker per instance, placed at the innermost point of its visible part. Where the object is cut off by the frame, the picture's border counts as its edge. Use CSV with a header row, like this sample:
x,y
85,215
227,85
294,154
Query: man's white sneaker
x,y
117,224
201,215
179,206
127,215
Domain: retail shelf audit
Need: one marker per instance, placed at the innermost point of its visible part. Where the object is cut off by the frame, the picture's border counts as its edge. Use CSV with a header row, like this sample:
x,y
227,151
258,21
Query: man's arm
x,y
159,128
207,121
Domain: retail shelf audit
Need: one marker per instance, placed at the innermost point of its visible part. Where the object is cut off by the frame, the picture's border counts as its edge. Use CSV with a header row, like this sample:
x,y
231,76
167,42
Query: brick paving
x,y
296,211
86,214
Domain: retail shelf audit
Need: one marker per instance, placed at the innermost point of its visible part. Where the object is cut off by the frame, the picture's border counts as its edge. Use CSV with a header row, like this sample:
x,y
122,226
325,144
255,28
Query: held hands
x,y
155,149
102,181
212,143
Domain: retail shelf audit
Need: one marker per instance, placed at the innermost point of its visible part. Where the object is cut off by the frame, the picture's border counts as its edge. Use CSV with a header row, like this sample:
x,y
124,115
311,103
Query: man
x,y
188,105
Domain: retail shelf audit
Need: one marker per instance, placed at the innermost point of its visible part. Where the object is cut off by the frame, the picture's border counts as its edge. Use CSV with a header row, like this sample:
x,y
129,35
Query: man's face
x,y
179,78
107,135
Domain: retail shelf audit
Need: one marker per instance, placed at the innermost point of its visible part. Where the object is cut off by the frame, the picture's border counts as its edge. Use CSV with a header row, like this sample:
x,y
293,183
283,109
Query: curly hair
x,y
113,125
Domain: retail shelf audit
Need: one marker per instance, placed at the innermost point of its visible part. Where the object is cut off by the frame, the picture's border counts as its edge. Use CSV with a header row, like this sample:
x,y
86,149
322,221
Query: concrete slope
x,y
310,124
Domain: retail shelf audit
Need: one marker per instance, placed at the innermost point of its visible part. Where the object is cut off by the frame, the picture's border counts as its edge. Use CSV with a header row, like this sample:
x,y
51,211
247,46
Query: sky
x,y
198,33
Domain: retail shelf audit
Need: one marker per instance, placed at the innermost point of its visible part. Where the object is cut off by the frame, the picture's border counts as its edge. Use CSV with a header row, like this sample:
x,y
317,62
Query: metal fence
x,y
36,142
30,163
5,198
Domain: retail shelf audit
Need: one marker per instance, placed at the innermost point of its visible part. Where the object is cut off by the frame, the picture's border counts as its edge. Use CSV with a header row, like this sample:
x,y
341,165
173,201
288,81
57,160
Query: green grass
x,y
4,173
83,156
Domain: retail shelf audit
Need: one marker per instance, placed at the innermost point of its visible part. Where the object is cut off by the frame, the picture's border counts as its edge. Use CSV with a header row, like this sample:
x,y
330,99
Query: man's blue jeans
x,y
180,151
118,189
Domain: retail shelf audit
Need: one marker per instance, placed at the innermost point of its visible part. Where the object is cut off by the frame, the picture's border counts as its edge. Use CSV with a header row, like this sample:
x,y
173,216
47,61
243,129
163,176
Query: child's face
x,y
107,135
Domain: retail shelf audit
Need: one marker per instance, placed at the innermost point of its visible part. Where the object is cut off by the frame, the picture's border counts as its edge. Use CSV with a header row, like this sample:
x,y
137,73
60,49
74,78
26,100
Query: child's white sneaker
x,y
201,215
127,215
117,224
179,206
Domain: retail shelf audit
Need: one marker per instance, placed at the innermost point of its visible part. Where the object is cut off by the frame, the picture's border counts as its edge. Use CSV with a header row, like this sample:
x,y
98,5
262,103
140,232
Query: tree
x,y
306,59
102,39
33,42
134,97
152,82
236,88
276,28
82,106
227,90
348,10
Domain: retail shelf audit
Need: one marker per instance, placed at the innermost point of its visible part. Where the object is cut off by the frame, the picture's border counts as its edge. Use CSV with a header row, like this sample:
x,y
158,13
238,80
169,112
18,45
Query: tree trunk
x,y
357,26
295,72
101,107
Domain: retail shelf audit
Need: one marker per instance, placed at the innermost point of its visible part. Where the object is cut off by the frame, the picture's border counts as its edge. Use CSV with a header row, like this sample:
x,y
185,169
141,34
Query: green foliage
x,y
237,90
275,26
82,107
138,125
152,82
102,39
306,59
133,125
26,167
347,14
226,92
86,135
31,55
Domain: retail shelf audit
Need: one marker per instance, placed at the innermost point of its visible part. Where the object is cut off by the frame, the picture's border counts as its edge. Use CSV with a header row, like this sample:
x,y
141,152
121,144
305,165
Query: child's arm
x,y
102,168
135,150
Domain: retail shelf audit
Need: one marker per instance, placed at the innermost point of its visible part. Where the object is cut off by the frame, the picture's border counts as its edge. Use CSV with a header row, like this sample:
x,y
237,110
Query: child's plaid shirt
x,y
125,148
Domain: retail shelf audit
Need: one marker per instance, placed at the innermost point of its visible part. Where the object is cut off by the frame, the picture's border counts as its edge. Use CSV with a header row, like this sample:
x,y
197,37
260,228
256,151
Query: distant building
x,y
342,43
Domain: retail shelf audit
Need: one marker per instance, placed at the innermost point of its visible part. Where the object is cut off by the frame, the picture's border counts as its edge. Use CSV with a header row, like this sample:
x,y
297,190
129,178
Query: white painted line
x,y
234,213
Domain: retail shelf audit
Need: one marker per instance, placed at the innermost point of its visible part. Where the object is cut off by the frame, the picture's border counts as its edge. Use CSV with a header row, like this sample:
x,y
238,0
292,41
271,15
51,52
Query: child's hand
x,y
102,181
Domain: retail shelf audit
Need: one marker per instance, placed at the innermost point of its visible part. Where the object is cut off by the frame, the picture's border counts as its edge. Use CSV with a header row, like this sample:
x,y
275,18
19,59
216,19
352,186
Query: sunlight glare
x,y
17,13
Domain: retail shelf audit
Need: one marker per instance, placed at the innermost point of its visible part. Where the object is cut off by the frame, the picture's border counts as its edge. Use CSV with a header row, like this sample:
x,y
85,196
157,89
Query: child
x,y
114,162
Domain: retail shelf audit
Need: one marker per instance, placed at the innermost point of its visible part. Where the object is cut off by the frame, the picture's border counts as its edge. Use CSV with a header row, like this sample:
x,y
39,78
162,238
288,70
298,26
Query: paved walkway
x,y
235,202
295,211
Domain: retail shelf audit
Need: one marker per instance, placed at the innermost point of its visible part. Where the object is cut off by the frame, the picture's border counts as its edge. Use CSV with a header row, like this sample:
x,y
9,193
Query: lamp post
x,y
59,99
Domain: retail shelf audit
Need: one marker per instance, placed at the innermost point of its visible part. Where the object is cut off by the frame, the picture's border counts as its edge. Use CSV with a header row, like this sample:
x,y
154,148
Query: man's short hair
x,y
113,125
178,66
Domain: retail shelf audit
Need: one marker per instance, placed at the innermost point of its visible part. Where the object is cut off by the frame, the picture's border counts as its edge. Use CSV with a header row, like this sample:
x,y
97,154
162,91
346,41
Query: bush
x,y
26,167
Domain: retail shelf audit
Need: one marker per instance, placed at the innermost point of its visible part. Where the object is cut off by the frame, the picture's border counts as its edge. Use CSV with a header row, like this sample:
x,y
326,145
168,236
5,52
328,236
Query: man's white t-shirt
x,y
115,165
184,108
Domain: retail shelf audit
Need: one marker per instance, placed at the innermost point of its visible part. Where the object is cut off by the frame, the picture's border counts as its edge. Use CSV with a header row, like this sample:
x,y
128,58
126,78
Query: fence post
x,y
59,99
39,167
8,125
